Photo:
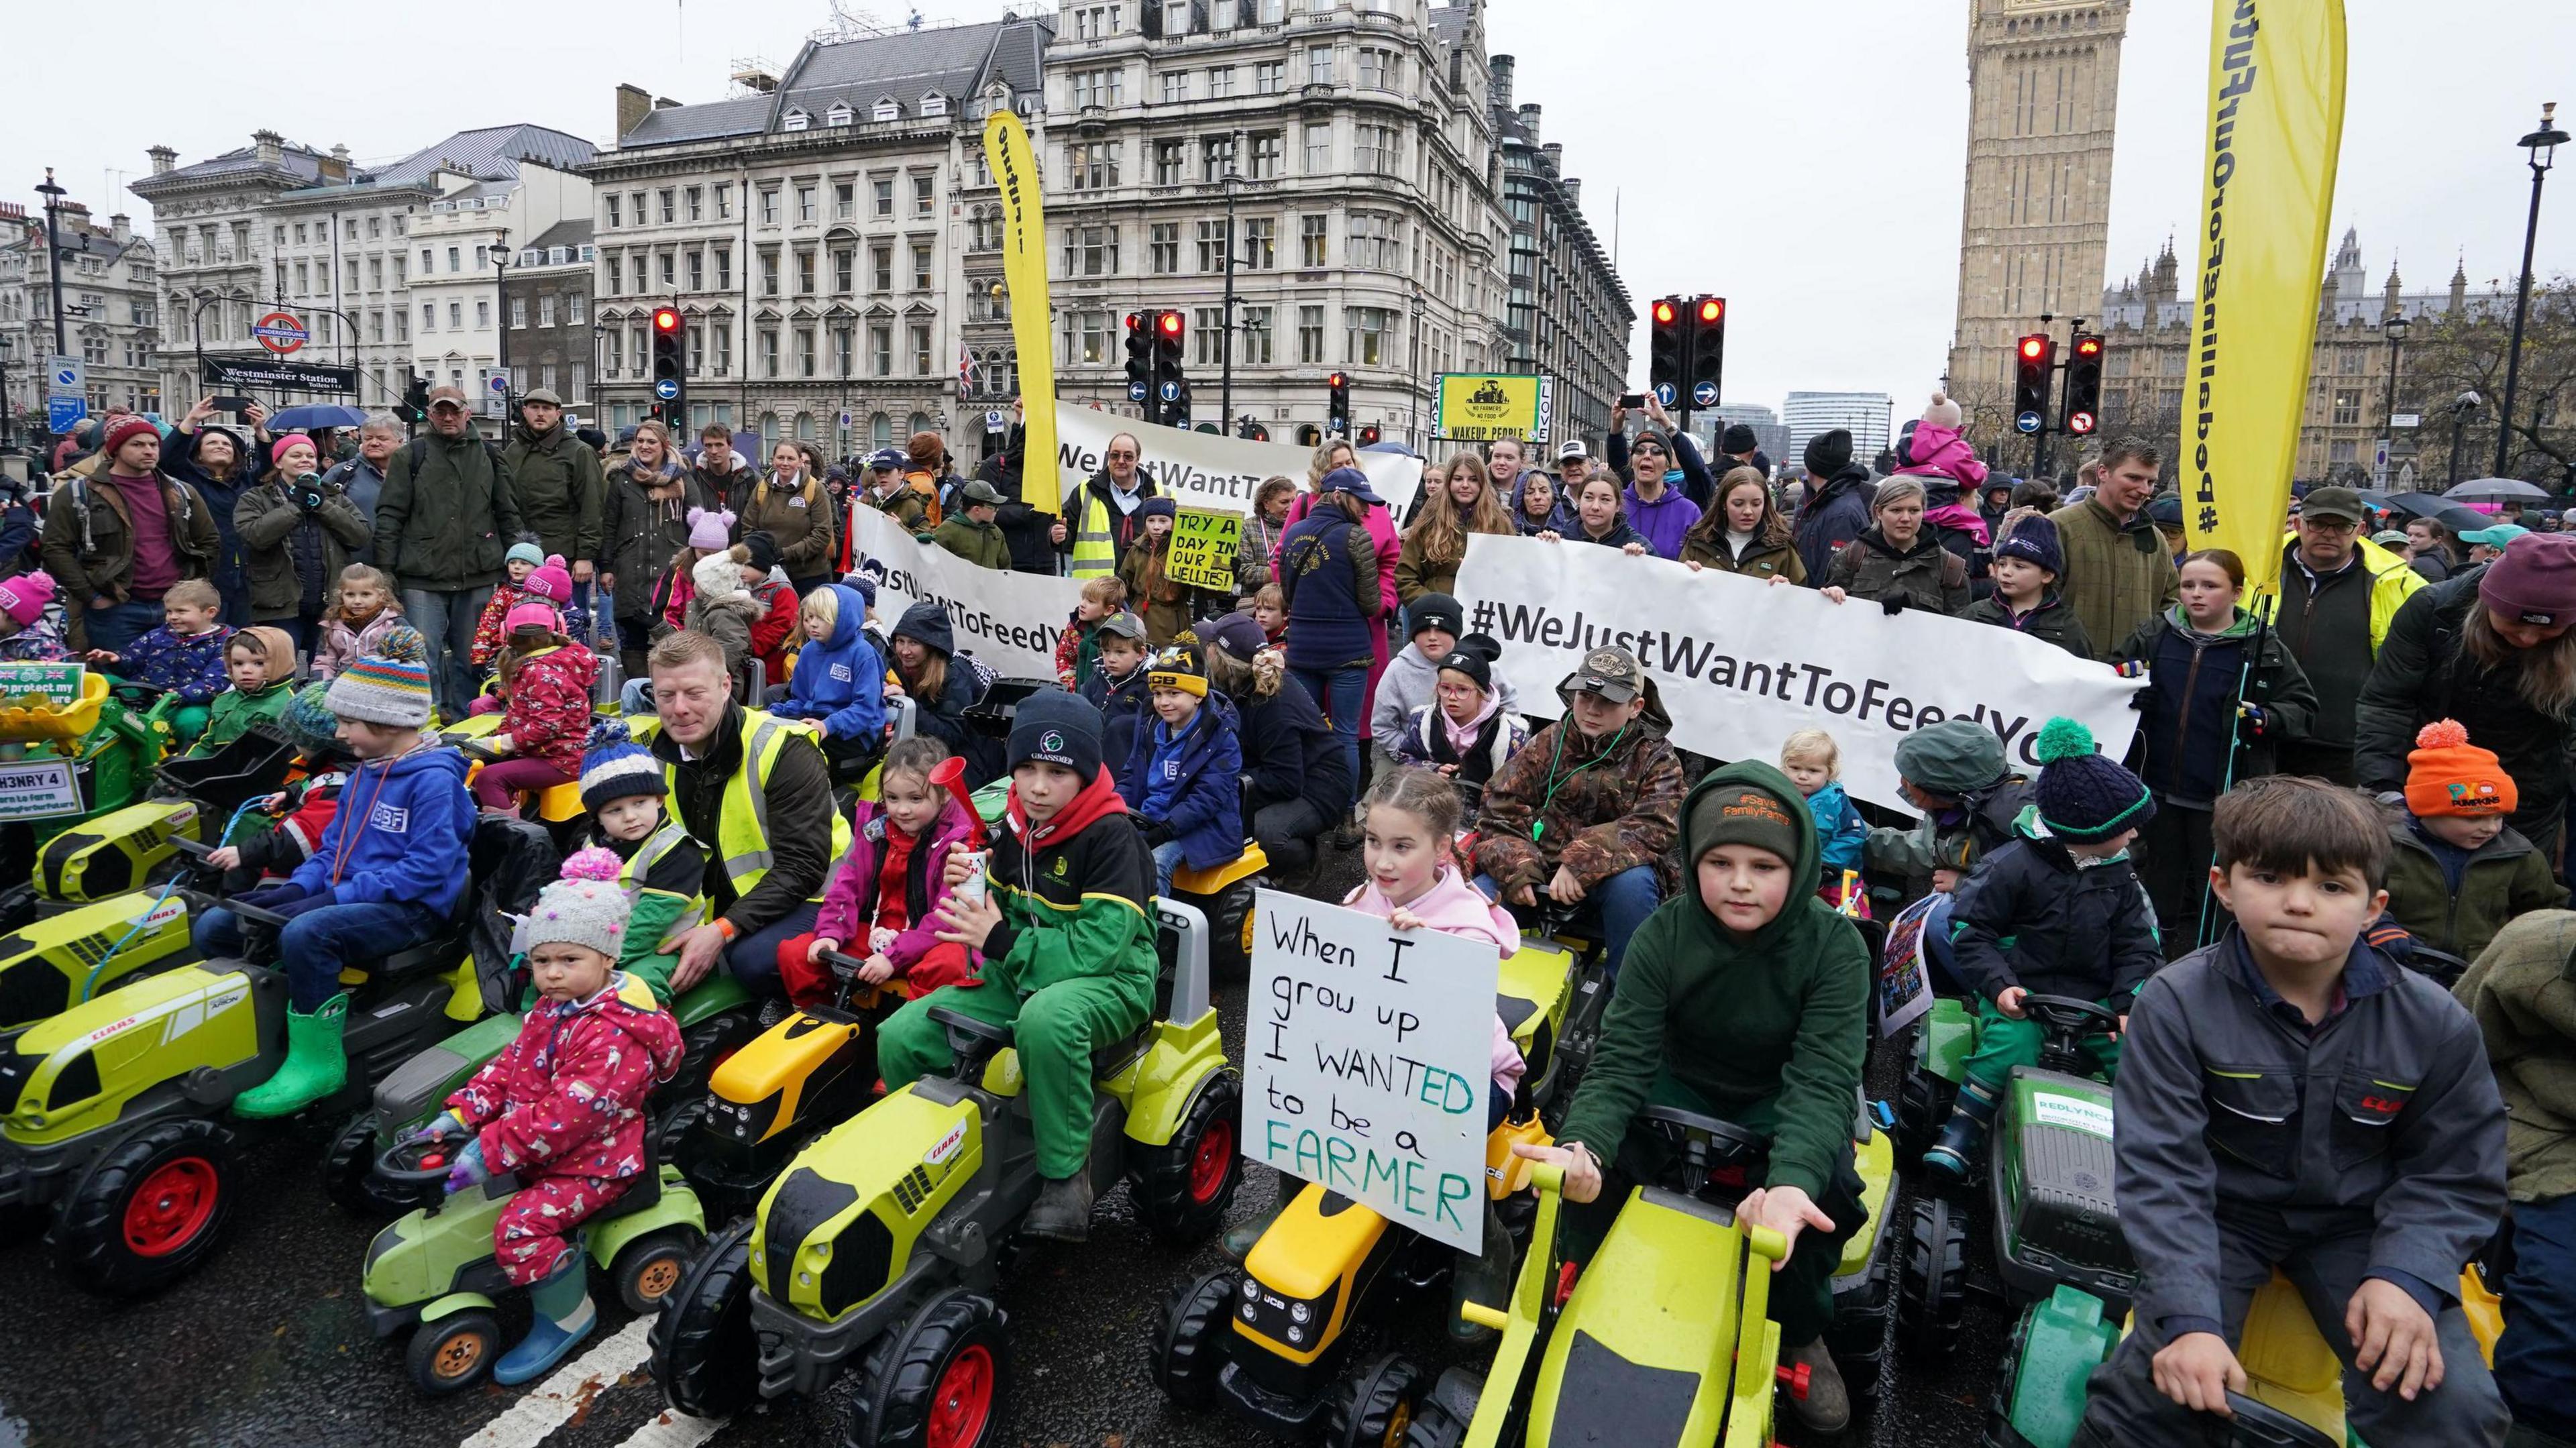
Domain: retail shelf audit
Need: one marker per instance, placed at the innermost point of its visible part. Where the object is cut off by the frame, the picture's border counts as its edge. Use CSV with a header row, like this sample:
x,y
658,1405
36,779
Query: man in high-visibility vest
x,y
1106,513
755,791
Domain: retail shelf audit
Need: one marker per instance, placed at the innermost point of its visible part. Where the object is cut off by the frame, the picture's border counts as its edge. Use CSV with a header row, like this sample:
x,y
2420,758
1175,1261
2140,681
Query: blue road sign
x,y
62,414
1704,395
67,377
1135,392
1664,393
668,390
1171,392
2027,422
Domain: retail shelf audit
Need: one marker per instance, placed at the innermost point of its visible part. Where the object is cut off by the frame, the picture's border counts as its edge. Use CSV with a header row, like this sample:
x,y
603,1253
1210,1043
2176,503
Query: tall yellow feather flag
x,y
1024,270
2276,73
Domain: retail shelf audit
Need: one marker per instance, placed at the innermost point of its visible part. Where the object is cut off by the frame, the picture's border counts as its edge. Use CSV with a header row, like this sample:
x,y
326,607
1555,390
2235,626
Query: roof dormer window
x,y
841,114
795,120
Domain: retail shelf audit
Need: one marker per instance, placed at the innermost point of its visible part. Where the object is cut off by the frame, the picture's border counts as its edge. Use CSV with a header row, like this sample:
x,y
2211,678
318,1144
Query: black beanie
x,y
1055,727
1435,610
1472,663
1829,453
1737,439
762,545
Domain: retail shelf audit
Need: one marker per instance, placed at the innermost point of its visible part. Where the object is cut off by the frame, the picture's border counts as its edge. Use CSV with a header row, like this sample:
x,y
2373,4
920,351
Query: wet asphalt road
x,y
268,1346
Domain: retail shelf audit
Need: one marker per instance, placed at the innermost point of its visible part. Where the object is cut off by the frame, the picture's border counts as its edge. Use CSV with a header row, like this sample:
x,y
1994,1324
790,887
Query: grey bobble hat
x,y
586,907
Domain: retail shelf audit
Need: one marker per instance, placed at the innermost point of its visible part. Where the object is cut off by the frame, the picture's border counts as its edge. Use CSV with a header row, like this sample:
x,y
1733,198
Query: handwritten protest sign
x,y
1368,1056
1202,553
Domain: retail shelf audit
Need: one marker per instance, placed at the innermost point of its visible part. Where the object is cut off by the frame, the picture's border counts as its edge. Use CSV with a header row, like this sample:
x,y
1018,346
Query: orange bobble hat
x,y
2447,775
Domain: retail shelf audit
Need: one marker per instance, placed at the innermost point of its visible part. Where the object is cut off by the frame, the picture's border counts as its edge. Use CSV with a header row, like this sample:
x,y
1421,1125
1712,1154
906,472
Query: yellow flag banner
x,y
2276,73
1024,270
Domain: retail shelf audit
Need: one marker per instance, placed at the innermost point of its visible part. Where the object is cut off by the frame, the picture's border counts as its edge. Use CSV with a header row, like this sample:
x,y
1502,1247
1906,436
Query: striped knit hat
x,y
310,723
383,691
617,768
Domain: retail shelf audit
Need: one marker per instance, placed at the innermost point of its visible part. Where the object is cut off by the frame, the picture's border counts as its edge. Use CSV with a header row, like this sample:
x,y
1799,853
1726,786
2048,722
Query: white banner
x,y
1206,469
1742,664
1008,620
35,791
1367,1056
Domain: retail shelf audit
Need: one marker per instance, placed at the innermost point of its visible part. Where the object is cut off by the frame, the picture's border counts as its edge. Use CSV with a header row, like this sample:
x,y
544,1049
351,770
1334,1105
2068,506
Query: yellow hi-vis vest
x,y
742,833
639,868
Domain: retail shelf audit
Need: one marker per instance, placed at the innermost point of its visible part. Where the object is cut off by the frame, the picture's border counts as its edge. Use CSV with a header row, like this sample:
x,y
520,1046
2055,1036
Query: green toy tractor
x,y
114,1113
883,1243
64,765
433,1272
2049,1175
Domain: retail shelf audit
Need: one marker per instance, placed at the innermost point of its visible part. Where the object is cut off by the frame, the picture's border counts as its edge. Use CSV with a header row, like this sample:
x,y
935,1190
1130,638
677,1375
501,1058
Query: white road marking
x,y
553,1403
675,1429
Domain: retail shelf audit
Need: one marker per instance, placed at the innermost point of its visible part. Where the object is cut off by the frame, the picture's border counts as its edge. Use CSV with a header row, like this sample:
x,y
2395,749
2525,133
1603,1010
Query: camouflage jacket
x,y
1566,800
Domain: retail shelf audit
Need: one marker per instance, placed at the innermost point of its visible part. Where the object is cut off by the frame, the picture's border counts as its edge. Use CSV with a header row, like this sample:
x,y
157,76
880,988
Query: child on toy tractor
x,y
1748,1003
562,1106
184,656
1956,774
388,874
661,868
883,902
305,808
1067,939
259,663
2291,1097
2056,911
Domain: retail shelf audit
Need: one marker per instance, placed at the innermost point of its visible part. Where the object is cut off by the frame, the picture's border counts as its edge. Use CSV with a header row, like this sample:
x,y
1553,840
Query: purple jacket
x,y
1663,521
849,901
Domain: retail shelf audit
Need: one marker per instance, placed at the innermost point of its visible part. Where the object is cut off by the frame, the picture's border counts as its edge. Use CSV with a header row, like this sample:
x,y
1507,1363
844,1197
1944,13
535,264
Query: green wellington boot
x,y
315,1064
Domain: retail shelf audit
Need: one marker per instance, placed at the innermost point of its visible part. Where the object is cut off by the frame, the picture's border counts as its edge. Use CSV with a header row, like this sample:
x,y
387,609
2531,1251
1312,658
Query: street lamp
x,y
8,422
2461,407
2395,329
501,318
1225,340
1415,305
2541,146
53,195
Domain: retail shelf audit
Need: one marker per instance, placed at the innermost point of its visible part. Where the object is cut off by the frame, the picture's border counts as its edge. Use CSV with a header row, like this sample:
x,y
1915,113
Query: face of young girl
x,y
1401,853
910,652
1157,526
2208,598
1899,521
1807,772
1463,488
563,971
361,600
1599,505
1744,510
1459,697
910,802
1743,887
520,568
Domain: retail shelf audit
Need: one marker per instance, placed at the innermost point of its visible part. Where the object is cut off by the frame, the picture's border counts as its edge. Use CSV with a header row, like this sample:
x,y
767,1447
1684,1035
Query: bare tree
x,y
2464,352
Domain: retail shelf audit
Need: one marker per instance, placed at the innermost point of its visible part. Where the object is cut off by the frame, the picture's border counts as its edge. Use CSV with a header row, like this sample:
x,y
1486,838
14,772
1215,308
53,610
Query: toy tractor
x,y
115,1110
884,1241
62,765
2049,1183
1664,1338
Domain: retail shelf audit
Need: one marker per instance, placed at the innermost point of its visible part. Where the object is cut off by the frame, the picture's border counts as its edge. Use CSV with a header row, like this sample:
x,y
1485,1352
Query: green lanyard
x,y
1538,822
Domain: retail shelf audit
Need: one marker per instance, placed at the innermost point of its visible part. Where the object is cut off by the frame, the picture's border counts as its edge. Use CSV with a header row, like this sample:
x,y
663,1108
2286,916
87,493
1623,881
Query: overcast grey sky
x,y
1802,159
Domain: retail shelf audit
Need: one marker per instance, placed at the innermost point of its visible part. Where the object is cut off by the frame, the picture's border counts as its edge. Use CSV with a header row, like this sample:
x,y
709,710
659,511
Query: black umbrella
x,y
2440,510
2491,490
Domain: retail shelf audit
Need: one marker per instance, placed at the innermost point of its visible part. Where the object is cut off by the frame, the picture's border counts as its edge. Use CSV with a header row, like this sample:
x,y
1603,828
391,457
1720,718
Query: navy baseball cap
x,y
887,457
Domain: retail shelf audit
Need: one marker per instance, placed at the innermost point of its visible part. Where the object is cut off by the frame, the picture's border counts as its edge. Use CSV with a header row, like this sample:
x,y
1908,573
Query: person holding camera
x,y
297,531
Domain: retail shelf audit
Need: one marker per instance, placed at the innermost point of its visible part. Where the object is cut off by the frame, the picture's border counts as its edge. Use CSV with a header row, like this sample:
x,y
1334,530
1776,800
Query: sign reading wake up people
x,y
1367,1056
1490,406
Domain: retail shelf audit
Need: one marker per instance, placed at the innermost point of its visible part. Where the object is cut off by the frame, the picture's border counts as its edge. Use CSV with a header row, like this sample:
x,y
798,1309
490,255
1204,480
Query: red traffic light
x,y
2032,347
1337,380
1663,313
1169,323
1134,321
2088,346
1711,308
666,320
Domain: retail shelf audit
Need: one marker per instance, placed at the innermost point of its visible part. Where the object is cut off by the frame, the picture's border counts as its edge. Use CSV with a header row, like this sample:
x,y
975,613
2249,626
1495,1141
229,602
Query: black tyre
x,y
1183,1189
149,1210
673,1127
1922,1104
1373,1406
1230,932
349,1174
939,1379
1935,1281
1441,1416
705,1355
1188,1347
650,1268
453,1353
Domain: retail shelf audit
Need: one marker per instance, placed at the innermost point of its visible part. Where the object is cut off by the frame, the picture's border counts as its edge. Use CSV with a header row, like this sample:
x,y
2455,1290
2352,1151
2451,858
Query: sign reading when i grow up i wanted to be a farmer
x,y
1368,1053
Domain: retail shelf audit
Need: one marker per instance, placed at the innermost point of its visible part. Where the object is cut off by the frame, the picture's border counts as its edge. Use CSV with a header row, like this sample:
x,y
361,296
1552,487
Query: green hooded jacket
x,y
2523,993
1769,1029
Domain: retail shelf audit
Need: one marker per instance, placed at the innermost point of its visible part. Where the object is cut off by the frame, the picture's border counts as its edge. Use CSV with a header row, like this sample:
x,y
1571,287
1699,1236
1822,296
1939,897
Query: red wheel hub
x,y
1213,1159
171,1207
963,1405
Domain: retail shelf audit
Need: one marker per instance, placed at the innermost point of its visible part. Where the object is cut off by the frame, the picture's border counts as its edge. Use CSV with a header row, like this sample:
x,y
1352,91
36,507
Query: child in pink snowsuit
x,y
562,1105
1937,449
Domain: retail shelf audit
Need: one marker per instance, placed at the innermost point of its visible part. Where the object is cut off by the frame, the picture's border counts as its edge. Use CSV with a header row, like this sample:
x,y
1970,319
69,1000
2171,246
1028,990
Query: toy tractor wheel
x,y
705,1355
1922,1104
1927,1308
453,1353
650,1268
1182,1189
149,1210
1374,1406
349,1176
1230,925
1188,1350
674,1129
938,1381
1441,1417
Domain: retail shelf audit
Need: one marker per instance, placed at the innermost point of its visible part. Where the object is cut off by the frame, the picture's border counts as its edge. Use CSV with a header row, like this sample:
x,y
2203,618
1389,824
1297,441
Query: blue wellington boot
x,y
564,1317
1963,1134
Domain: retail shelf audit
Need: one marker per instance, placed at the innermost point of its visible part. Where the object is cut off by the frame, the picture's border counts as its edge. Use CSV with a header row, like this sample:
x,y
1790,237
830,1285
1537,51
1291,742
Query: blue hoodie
x,y
399,836
1192,783
1840,830
840,680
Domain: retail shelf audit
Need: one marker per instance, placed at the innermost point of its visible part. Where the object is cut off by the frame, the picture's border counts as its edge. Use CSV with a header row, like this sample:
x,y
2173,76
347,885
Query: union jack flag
x,y
965,371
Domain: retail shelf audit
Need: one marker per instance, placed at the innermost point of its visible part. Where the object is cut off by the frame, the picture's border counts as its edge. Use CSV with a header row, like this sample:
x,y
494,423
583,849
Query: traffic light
x,y
1171,389
1707,352
1337,407
2084,385
1369,435
1666,350
1140,356
415,402
670,370
2033,359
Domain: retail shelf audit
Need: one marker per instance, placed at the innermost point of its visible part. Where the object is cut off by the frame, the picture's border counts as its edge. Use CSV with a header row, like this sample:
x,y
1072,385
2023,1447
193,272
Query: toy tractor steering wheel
x,y
2260,1425
2065,1022
1706,1147
845,969
971,1041
473,749
255,915
421,1163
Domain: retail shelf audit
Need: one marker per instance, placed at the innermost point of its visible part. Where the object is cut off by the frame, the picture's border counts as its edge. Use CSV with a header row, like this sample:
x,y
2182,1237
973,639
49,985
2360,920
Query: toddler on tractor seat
x,y
305,808
883,901
664,869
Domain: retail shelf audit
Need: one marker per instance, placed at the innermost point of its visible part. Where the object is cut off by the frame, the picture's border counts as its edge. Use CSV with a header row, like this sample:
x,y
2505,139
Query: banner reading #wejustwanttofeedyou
x,y
1008,620
1204,469
1742,664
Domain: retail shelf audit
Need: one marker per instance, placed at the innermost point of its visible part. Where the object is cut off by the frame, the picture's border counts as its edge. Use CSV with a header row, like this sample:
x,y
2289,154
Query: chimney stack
x,y
1500,97
1574,190
121,227
164,160
634,103
1529,121
1555,153
334,167
271,147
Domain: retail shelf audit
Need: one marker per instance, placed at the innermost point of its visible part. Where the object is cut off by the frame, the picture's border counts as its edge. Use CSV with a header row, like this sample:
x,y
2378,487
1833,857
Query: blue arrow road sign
x,y
667,390
1664,393
1135,392
2027,422
62,414
1171,392
1704,395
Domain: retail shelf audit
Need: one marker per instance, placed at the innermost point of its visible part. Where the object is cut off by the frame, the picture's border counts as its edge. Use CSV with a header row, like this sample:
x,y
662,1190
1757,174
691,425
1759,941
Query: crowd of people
x,y
2324,896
